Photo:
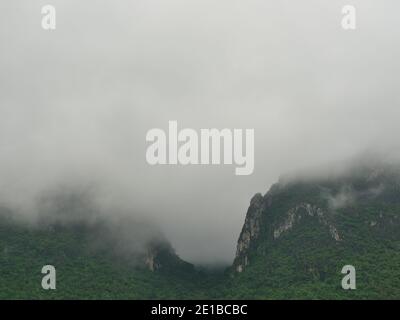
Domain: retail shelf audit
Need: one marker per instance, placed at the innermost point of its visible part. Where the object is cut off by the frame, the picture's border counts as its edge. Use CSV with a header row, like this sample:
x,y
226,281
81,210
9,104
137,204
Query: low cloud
x,y
76,103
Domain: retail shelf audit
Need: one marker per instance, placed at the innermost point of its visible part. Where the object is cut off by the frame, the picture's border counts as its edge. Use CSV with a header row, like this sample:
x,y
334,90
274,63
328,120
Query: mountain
x,y
293,245
91,263
299,235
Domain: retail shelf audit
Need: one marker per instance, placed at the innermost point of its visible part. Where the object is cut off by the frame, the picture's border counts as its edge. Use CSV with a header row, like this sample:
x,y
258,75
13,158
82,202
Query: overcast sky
x,y
76,103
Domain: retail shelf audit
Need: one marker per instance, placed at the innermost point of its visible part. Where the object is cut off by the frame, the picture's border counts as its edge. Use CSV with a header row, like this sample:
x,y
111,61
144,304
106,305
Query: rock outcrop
x,y
295,215
250,232
262,224
161,257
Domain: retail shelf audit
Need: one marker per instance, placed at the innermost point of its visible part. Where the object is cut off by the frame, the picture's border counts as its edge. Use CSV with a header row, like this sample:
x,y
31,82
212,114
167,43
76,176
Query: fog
x,y
76,103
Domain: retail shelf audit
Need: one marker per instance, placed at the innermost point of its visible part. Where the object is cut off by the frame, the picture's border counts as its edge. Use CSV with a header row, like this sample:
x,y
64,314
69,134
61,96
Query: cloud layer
x,y
76,103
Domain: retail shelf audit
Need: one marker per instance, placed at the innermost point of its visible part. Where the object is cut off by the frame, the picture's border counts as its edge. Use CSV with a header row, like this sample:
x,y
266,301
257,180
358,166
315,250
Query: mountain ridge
x,y
293,244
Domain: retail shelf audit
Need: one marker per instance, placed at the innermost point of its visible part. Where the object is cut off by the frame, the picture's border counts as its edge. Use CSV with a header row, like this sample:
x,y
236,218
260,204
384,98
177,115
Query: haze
x,y
76,103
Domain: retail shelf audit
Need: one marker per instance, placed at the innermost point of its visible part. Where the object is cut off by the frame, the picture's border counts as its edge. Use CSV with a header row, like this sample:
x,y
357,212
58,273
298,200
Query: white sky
x,y
76,103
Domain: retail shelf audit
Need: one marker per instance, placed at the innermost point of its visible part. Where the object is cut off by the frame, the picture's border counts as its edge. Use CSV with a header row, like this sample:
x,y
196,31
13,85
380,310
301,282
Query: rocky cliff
x,y
315,212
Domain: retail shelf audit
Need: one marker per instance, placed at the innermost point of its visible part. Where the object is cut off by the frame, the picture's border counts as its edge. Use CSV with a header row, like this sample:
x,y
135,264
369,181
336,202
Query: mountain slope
x,y
86,269
297,238
293,245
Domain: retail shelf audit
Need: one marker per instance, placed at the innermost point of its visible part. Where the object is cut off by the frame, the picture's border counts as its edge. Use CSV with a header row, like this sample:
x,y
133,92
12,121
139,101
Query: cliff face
x,y
295,215
161,257
250,232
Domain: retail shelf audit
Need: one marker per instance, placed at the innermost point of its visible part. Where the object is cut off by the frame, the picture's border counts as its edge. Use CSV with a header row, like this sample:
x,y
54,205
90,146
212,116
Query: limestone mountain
x,y
298,236
93,260
294,243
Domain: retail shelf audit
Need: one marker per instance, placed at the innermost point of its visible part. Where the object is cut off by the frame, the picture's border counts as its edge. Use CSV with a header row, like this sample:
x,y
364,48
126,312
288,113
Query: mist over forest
x,y
76,103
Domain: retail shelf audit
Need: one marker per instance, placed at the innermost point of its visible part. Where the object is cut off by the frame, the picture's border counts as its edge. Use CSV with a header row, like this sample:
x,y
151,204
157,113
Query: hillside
x,y
88,269
295,240
297,237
